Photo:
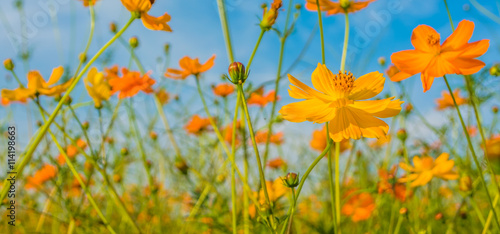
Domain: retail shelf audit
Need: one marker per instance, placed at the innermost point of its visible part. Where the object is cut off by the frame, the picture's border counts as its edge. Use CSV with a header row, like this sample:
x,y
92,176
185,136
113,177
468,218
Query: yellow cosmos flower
x,y
142,7
426,168
38,86
97,87
337,100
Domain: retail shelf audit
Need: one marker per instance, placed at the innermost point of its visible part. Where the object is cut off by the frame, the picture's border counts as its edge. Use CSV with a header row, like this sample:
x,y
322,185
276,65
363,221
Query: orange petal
x,y
411,61
208,64
384,108
352,123
56,75
156,23
322,79
460,36
308,90
421,37
313,110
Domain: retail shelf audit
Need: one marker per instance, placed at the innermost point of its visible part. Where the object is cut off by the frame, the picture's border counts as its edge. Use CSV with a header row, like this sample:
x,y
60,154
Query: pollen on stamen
x,y
343,82
432,40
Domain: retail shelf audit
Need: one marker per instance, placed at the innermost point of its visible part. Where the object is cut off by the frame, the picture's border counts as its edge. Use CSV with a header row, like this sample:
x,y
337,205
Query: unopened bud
x,y
438,216
112,27
263,5
8,64
167,48
134,42
495,70
403,210
153,135
298,6
494,109
85,125
408,108
265,210
124,151
402,134
220,178
82,57
117,178
291,180
181,165
236,72
38,123
68,101
381,61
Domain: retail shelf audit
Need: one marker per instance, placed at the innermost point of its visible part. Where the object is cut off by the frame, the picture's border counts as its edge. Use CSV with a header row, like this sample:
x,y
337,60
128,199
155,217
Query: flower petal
x,y
313,110
411,61
421,36
306,90
354,123
322,79
208,64
367,86
156,23
460,36
384,108
56,75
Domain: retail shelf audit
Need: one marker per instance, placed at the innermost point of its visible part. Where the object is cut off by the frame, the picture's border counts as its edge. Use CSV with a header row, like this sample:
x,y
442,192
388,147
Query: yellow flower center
x,y
343,83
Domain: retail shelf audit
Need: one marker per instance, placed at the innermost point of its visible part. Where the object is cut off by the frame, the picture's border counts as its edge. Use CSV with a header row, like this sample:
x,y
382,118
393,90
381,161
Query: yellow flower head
x,y
97,87
425,168
337,100
142,7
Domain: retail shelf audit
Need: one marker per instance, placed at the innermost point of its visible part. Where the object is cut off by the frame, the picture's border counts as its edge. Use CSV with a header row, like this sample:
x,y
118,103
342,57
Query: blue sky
x,y
379,30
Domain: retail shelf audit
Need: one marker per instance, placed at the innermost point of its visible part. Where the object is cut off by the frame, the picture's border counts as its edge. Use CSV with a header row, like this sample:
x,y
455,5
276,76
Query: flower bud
x,y
236,72
402,134
112,27
82,57
134,42
8,64
153,135
408,108
167,48
88,166
117,178
495,70
220,178
181,165
38,123
403,210
381,61
68,101
85,125
438,216
298,6
494,109
124,151
291,180
269,17
465,183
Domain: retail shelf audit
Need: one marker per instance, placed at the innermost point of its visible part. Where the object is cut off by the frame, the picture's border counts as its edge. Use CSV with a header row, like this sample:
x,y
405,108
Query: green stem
x,y
29,152
337,185
167,126
471,147
225,29
89,41
346,42
449,15
254,143
320,21
233,173
255,50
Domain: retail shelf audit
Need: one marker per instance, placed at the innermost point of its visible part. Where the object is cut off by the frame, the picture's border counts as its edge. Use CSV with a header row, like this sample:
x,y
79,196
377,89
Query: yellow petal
x,y
367,86
308,90
56,75
313,110
351,123
384,108
422,179
322,80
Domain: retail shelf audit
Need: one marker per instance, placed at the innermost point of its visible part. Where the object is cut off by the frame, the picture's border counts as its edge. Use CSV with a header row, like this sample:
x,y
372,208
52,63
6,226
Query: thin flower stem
x,y
346,42
29,152
233,173
490,216
471,147
89,41
246,215
449,15
294,203
76,174
255,50
276,84
167,126
256,149
81,126
332,187
225,29
337,185
320,21
304,177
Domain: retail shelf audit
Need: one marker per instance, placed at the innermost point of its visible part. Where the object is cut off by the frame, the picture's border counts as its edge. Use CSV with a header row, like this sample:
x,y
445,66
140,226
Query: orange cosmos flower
x,y
276,163
454,56
131,83
341,7
425,168
112,72
258,98
261,137
360,206
197,124
228,133
387,184
472,130
72,151
141,7
493,147
223,90
338,102
269,16
189,67
87,3
446,101
41,176
38,86
318,141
